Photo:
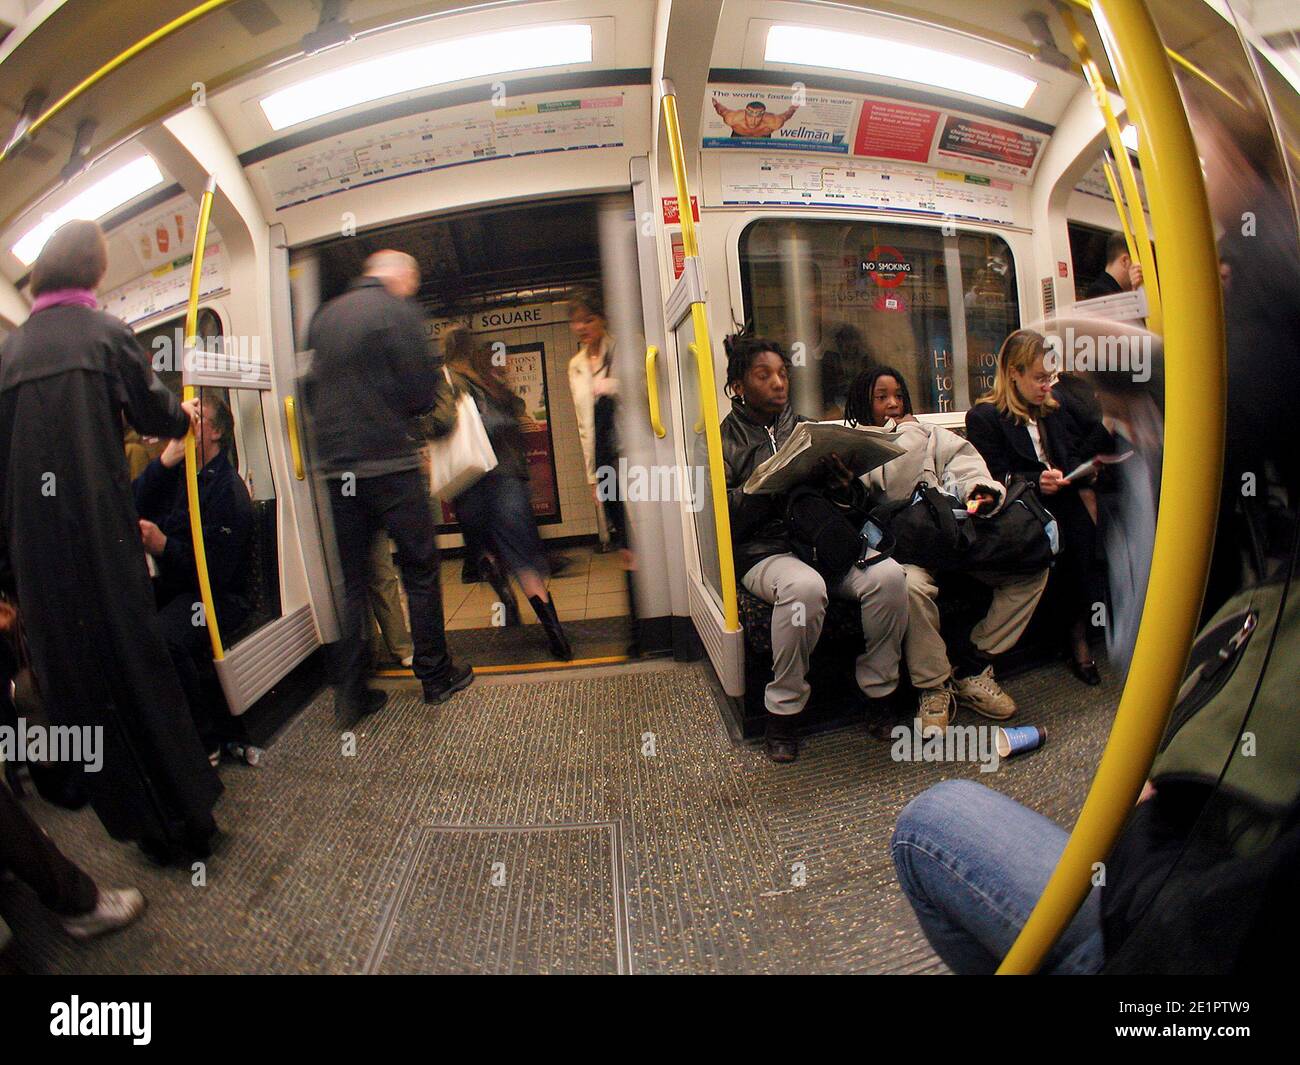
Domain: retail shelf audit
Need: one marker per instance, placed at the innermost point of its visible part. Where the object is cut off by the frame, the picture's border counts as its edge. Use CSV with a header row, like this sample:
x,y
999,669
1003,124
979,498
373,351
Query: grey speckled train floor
x,y
528,826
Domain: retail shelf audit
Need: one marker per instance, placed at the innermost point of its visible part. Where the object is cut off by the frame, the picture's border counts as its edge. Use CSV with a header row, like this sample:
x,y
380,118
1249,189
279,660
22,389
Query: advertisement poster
x,y
743,116
995,149
888,130
526,375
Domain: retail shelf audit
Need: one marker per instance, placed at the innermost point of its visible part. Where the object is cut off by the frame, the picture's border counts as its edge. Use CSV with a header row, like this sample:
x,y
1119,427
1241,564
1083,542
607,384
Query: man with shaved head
x,y
371,377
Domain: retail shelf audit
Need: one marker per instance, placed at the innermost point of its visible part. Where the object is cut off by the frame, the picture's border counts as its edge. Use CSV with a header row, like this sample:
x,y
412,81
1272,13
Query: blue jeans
x,y
973,863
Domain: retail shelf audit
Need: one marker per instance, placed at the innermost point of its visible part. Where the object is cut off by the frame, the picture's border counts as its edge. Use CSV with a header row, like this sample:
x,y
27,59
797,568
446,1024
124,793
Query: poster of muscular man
x,y
748,117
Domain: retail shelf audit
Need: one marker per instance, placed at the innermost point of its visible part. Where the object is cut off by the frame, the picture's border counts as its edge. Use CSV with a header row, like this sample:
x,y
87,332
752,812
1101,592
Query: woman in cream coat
x,y
879,397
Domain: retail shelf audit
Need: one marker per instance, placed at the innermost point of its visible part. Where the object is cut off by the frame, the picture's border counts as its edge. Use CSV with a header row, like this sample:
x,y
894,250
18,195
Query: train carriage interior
x,y
870,184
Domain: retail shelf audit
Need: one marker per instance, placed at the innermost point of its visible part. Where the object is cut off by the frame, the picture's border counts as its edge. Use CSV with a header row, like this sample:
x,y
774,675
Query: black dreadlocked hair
x,y
857,406
742,349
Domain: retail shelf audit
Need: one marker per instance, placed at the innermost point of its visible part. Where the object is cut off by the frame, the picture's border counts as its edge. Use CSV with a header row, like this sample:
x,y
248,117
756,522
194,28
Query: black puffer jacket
x,y
758,527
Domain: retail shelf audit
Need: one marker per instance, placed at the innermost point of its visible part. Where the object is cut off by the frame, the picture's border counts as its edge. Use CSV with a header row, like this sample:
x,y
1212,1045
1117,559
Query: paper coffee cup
x,y
1018,739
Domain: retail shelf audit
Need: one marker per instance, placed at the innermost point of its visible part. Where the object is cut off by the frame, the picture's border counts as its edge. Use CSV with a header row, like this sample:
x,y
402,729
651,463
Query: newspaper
x,y
861,449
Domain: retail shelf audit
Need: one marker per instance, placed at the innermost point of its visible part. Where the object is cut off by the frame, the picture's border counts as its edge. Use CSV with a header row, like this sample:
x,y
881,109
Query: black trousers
x,y
33,858
399,504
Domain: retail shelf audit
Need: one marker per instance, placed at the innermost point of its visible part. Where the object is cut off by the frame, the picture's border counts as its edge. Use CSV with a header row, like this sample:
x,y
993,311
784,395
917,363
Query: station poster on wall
x,y
526,376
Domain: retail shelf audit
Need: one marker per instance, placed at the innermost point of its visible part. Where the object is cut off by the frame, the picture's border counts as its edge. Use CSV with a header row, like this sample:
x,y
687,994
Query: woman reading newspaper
x,y
760,422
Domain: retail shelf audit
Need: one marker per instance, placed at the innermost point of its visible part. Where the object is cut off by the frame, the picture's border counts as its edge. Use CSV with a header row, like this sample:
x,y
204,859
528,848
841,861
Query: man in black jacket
x,y
1122,274
371,376
163,504
761,420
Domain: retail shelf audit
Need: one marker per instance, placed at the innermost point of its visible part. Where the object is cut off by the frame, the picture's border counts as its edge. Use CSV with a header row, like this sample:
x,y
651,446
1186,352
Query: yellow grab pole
x,y
180,22
1195,385
1121,208
191,457
704,363
1101,95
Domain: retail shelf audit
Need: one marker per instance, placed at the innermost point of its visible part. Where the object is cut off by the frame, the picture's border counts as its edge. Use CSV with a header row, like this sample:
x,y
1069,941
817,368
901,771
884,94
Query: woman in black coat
x,y
496,511
1022,431
72,538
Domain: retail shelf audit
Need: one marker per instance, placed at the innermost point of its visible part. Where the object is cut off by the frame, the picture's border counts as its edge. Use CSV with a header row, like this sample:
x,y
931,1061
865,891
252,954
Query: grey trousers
x,y
1014,599
798,596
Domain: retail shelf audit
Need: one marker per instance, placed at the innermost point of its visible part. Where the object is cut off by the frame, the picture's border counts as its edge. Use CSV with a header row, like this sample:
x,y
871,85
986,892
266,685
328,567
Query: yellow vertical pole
x,y
704,364
191,456
1195,387
1144,255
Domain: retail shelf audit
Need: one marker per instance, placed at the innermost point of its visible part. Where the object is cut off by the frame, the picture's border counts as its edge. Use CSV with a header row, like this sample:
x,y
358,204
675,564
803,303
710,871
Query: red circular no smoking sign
x,y
887,267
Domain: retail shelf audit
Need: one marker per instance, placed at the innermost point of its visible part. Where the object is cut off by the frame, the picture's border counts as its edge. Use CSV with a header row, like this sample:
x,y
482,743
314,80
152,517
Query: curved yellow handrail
x,y
652,390
191,457
180,22
704,362
295,442
1195,385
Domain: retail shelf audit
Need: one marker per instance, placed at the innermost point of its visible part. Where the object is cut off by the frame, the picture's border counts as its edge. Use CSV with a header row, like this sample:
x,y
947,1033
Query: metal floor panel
x,y
380,861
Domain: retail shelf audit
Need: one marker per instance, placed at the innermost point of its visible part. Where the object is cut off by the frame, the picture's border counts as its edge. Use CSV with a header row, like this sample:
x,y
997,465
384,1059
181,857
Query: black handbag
x,y
934,530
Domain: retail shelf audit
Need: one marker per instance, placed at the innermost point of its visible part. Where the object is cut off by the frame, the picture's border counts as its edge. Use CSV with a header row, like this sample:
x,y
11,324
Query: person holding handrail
x,y
72,538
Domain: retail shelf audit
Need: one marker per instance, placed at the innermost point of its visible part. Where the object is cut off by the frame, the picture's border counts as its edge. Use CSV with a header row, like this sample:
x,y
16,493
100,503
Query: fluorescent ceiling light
x,y
806,46
432,64
1129,136
107,194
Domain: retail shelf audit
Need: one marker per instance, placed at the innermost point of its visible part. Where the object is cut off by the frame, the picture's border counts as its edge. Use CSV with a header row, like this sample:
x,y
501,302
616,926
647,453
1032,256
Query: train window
x,y
990,304
846,295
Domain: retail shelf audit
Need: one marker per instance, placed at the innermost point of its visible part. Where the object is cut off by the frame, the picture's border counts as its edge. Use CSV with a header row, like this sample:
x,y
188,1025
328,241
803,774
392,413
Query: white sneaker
x,y
116,908
984,695
408,661
935,709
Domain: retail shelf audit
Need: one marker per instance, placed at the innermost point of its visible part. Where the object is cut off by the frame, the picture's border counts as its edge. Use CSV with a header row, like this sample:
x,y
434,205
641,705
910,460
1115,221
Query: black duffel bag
x,y
934,530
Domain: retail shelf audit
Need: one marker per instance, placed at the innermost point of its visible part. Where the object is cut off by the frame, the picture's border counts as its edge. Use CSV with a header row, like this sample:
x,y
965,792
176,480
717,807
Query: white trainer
x,y
984,695
935,708
116,908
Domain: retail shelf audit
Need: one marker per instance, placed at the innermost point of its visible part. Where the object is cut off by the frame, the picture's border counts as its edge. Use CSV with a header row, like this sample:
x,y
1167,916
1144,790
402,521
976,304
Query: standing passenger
x,y
371,376
595,400
67,376
497,509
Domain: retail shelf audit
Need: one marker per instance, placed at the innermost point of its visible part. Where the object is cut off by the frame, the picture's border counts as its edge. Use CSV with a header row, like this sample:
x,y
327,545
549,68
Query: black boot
x,y
782,739
545,610
505,594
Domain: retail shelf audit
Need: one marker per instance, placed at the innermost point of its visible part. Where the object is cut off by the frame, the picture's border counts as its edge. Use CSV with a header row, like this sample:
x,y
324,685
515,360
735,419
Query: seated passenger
x,y
164,509
760,421
878,396
1021,431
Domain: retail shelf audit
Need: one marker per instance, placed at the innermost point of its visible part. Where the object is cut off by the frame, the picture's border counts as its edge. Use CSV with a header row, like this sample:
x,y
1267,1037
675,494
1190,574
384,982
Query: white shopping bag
x,y
464,455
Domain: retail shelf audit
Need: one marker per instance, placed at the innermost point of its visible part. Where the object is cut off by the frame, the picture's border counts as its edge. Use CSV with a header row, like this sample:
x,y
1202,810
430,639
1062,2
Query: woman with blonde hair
x,y
1023,431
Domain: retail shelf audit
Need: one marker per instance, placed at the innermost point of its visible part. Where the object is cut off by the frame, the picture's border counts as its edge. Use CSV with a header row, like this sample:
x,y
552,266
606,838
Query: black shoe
x,y
782,740
456,680
1085,671
883,715
545,610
